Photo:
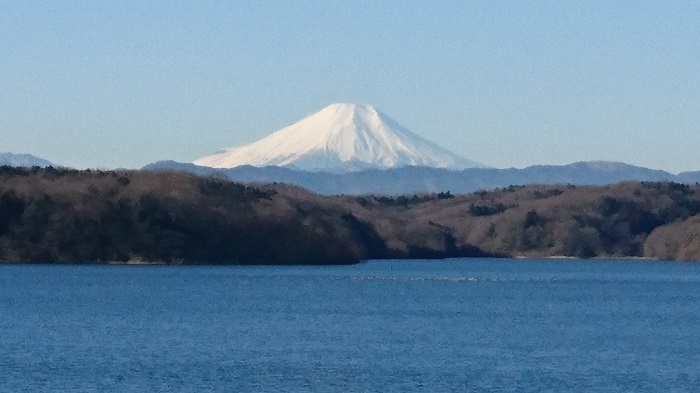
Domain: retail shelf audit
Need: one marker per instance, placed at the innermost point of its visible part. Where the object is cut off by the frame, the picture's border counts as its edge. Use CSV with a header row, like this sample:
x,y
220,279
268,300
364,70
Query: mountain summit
x,y
340,138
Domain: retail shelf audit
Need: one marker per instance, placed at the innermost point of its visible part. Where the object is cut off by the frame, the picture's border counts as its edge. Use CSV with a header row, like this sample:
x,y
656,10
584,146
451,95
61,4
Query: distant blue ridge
x,y
410,180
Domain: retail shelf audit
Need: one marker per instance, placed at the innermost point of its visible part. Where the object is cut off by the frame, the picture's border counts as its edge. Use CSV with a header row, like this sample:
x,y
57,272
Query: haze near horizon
x,y
507,84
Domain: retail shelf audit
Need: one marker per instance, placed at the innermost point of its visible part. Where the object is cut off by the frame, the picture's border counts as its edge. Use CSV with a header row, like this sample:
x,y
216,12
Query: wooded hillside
x,y
68,216
640,219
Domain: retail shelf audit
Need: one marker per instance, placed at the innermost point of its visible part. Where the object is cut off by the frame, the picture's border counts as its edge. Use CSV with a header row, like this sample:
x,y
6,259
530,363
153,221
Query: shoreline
x,y
185,264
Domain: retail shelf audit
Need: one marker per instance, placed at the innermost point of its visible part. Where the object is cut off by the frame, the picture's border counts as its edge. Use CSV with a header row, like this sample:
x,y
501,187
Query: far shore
x,y
139,262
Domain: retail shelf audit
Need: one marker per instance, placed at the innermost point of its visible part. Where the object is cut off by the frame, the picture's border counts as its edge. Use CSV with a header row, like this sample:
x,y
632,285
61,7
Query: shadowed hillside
x,y
623,220
52,215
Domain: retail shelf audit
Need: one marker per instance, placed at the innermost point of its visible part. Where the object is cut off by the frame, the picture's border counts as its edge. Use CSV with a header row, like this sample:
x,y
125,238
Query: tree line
x,y
68,216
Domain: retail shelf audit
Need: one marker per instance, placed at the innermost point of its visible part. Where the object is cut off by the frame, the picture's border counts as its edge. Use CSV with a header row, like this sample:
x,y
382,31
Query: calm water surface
x,y
385,326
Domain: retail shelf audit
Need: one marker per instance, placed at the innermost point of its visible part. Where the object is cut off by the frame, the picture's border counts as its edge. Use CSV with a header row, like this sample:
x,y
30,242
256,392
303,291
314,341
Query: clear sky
x,y
508,83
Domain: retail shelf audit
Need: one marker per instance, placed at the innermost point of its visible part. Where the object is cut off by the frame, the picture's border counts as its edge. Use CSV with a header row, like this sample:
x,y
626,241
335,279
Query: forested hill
x,y
56,215
67,216
95,216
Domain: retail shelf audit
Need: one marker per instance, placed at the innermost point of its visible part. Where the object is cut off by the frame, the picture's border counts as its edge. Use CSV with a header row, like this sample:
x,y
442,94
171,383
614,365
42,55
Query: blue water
x,y
385,326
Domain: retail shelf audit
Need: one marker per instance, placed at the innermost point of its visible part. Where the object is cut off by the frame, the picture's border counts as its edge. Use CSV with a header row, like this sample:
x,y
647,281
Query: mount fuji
x,y
340,138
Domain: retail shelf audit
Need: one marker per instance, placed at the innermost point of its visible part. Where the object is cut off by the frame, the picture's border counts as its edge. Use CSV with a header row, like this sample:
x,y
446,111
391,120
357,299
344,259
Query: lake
x,y
380,326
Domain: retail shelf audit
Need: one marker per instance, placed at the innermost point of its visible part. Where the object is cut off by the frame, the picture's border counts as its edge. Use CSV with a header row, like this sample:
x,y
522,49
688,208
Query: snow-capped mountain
x,y
23,160
340,138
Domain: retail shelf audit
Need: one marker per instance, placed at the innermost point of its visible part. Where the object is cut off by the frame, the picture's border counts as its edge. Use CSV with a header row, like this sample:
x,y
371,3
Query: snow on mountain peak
x,y
341,137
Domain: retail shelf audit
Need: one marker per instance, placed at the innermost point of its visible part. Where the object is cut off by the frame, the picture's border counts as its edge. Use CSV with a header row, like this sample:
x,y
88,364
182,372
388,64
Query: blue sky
x,y
507,83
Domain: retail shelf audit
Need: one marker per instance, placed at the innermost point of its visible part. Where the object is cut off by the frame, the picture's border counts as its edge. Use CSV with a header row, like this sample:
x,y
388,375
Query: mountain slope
x,y
340,138
409,180
71,216
22,160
